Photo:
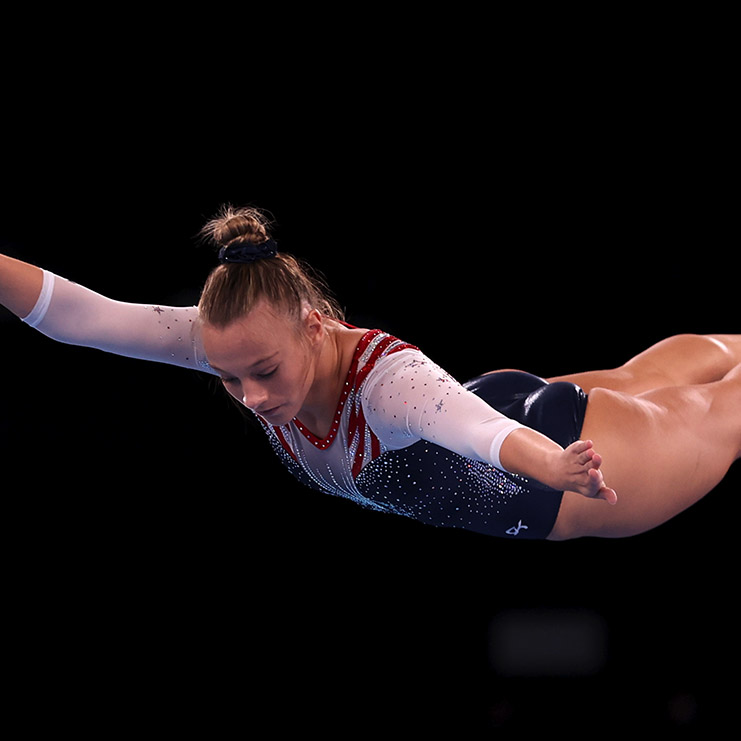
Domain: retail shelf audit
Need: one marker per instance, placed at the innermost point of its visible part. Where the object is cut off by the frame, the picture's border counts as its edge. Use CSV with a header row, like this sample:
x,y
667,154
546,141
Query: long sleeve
x,y
70,313
408,398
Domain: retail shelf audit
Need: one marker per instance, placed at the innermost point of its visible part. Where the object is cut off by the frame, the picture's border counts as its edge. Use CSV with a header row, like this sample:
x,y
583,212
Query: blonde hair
x,y
232,290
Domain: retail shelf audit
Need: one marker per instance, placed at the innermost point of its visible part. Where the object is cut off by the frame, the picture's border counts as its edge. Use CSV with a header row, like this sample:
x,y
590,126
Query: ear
x,y
314,325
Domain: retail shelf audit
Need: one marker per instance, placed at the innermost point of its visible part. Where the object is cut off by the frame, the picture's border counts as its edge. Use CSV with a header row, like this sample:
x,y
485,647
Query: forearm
x,y
20,285
530,454
70,313
577,468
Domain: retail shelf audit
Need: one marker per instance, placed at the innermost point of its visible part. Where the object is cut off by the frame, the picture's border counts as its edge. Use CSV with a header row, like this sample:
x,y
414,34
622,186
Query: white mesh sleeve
x,y
70,313
407,398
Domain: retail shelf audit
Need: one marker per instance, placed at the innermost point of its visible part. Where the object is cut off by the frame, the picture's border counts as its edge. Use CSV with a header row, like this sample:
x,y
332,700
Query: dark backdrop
x,y
161,565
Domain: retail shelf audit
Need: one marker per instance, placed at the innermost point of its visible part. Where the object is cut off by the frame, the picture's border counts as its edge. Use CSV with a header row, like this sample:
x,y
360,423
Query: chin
x,y
281,416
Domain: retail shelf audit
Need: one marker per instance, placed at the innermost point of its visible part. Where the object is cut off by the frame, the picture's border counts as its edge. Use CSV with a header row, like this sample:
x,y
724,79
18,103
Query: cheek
x,y
300,376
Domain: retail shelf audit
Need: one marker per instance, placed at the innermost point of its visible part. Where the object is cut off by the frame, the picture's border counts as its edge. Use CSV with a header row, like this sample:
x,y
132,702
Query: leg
x,y
677,361
663,451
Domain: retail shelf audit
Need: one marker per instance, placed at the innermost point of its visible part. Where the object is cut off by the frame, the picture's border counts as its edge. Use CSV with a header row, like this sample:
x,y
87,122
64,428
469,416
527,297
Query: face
x,y
264,362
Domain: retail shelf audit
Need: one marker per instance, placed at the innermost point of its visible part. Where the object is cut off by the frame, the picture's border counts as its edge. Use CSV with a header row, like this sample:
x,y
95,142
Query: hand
x,y
580,468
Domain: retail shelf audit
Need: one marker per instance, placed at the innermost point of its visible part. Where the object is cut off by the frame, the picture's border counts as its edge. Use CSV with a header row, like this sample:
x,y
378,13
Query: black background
x,y
554,211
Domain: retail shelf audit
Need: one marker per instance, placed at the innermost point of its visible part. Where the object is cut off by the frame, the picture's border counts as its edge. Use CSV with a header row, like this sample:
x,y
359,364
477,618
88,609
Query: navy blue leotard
x,y
427,481
406,438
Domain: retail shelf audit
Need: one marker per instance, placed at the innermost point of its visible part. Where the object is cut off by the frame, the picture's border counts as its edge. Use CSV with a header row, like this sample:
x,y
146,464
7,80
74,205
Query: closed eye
x,y
268,373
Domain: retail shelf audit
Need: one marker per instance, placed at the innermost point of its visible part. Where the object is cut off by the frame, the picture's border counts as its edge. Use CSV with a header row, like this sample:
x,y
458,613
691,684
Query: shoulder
x,y
406,369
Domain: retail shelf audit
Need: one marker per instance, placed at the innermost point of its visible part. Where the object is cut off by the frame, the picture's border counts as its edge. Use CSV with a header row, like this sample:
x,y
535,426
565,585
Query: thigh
x,y
662,451
676,361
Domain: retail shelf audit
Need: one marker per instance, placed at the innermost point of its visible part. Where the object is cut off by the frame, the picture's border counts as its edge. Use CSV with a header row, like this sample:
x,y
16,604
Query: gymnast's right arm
x,y
20,285
70,313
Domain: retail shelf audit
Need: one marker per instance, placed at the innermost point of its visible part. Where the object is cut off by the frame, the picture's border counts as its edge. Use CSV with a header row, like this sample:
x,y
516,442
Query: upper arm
x,y
409,398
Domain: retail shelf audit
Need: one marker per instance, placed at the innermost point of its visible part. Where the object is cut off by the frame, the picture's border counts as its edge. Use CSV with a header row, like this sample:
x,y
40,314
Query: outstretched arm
x,y
73,314
577,468
409,398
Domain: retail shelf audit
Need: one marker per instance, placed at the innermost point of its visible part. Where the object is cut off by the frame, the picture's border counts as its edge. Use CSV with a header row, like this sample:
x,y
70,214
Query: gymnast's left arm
x,y
576,468
409,398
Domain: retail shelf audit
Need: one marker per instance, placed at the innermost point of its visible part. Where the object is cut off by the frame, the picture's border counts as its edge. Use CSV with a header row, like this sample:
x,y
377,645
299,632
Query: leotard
x,y
407,438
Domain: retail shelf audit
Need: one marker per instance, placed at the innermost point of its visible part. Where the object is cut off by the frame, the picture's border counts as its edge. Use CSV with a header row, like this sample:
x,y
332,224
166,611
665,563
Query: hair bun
x,y
235,226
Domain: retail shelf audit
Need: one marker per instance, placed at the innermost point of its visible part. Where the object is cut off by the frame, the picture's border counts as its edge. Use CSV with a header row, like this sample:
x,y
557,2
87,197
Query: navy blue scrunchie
x,y
246,252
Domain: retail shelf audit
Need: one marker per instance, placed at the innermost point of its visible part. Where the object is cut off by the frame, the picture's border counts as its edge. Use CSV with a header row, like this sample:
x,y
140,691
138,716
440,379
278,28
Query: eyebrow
x,y
254,365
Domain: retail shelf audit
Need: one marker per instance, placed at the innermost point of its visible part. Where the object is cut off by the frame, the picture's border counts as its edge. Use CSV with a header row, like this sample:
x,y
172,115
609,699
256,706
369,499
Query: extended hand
x,y
582,474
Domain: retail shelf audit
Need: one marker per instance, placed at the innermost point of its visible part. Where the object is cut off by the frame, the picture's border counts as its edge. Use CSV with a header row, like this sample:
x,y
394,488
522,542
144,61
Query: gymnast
x,y
361,414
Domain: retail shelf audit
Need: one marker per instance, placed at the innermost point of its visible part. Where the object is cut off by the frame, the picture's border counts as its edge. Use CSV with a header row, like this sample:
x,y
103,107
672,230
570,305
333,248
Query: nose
x,y
253,396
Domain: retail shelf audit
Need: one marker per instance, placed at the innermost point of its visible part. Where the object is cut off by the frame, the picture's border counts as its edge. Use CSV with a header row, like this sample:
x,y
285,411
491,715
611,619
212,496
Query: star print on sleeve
x,y
408,399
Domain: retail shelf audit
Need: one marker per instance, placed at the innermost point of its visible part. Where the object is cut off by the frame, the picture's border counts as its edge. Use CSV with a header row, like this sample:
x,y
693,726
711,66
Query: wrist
x,y
534,456
555,469
20,285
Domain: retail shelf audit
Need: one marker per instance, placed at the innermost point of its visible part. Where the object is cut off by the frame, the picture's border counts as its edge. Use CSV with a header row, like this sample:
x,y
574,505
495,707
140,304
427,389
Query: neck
x,y
333,357
327,356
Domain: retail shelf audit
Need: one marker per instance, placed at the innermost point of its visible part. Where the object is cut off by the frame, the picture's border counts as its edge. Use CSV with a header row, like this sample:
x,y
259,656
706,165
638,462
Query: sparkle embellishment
x,y
392,470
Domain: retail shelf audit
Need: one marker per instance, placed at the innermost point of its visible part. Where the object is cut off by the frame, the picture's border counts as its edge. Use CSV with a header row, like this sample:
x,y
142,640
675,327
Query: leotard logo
x,y
516,529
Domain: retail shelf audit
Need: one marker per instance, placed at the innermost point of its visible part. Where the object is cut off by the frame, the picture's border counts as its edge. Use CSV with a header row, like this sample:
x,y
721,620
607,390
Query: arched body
x,y
668,426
